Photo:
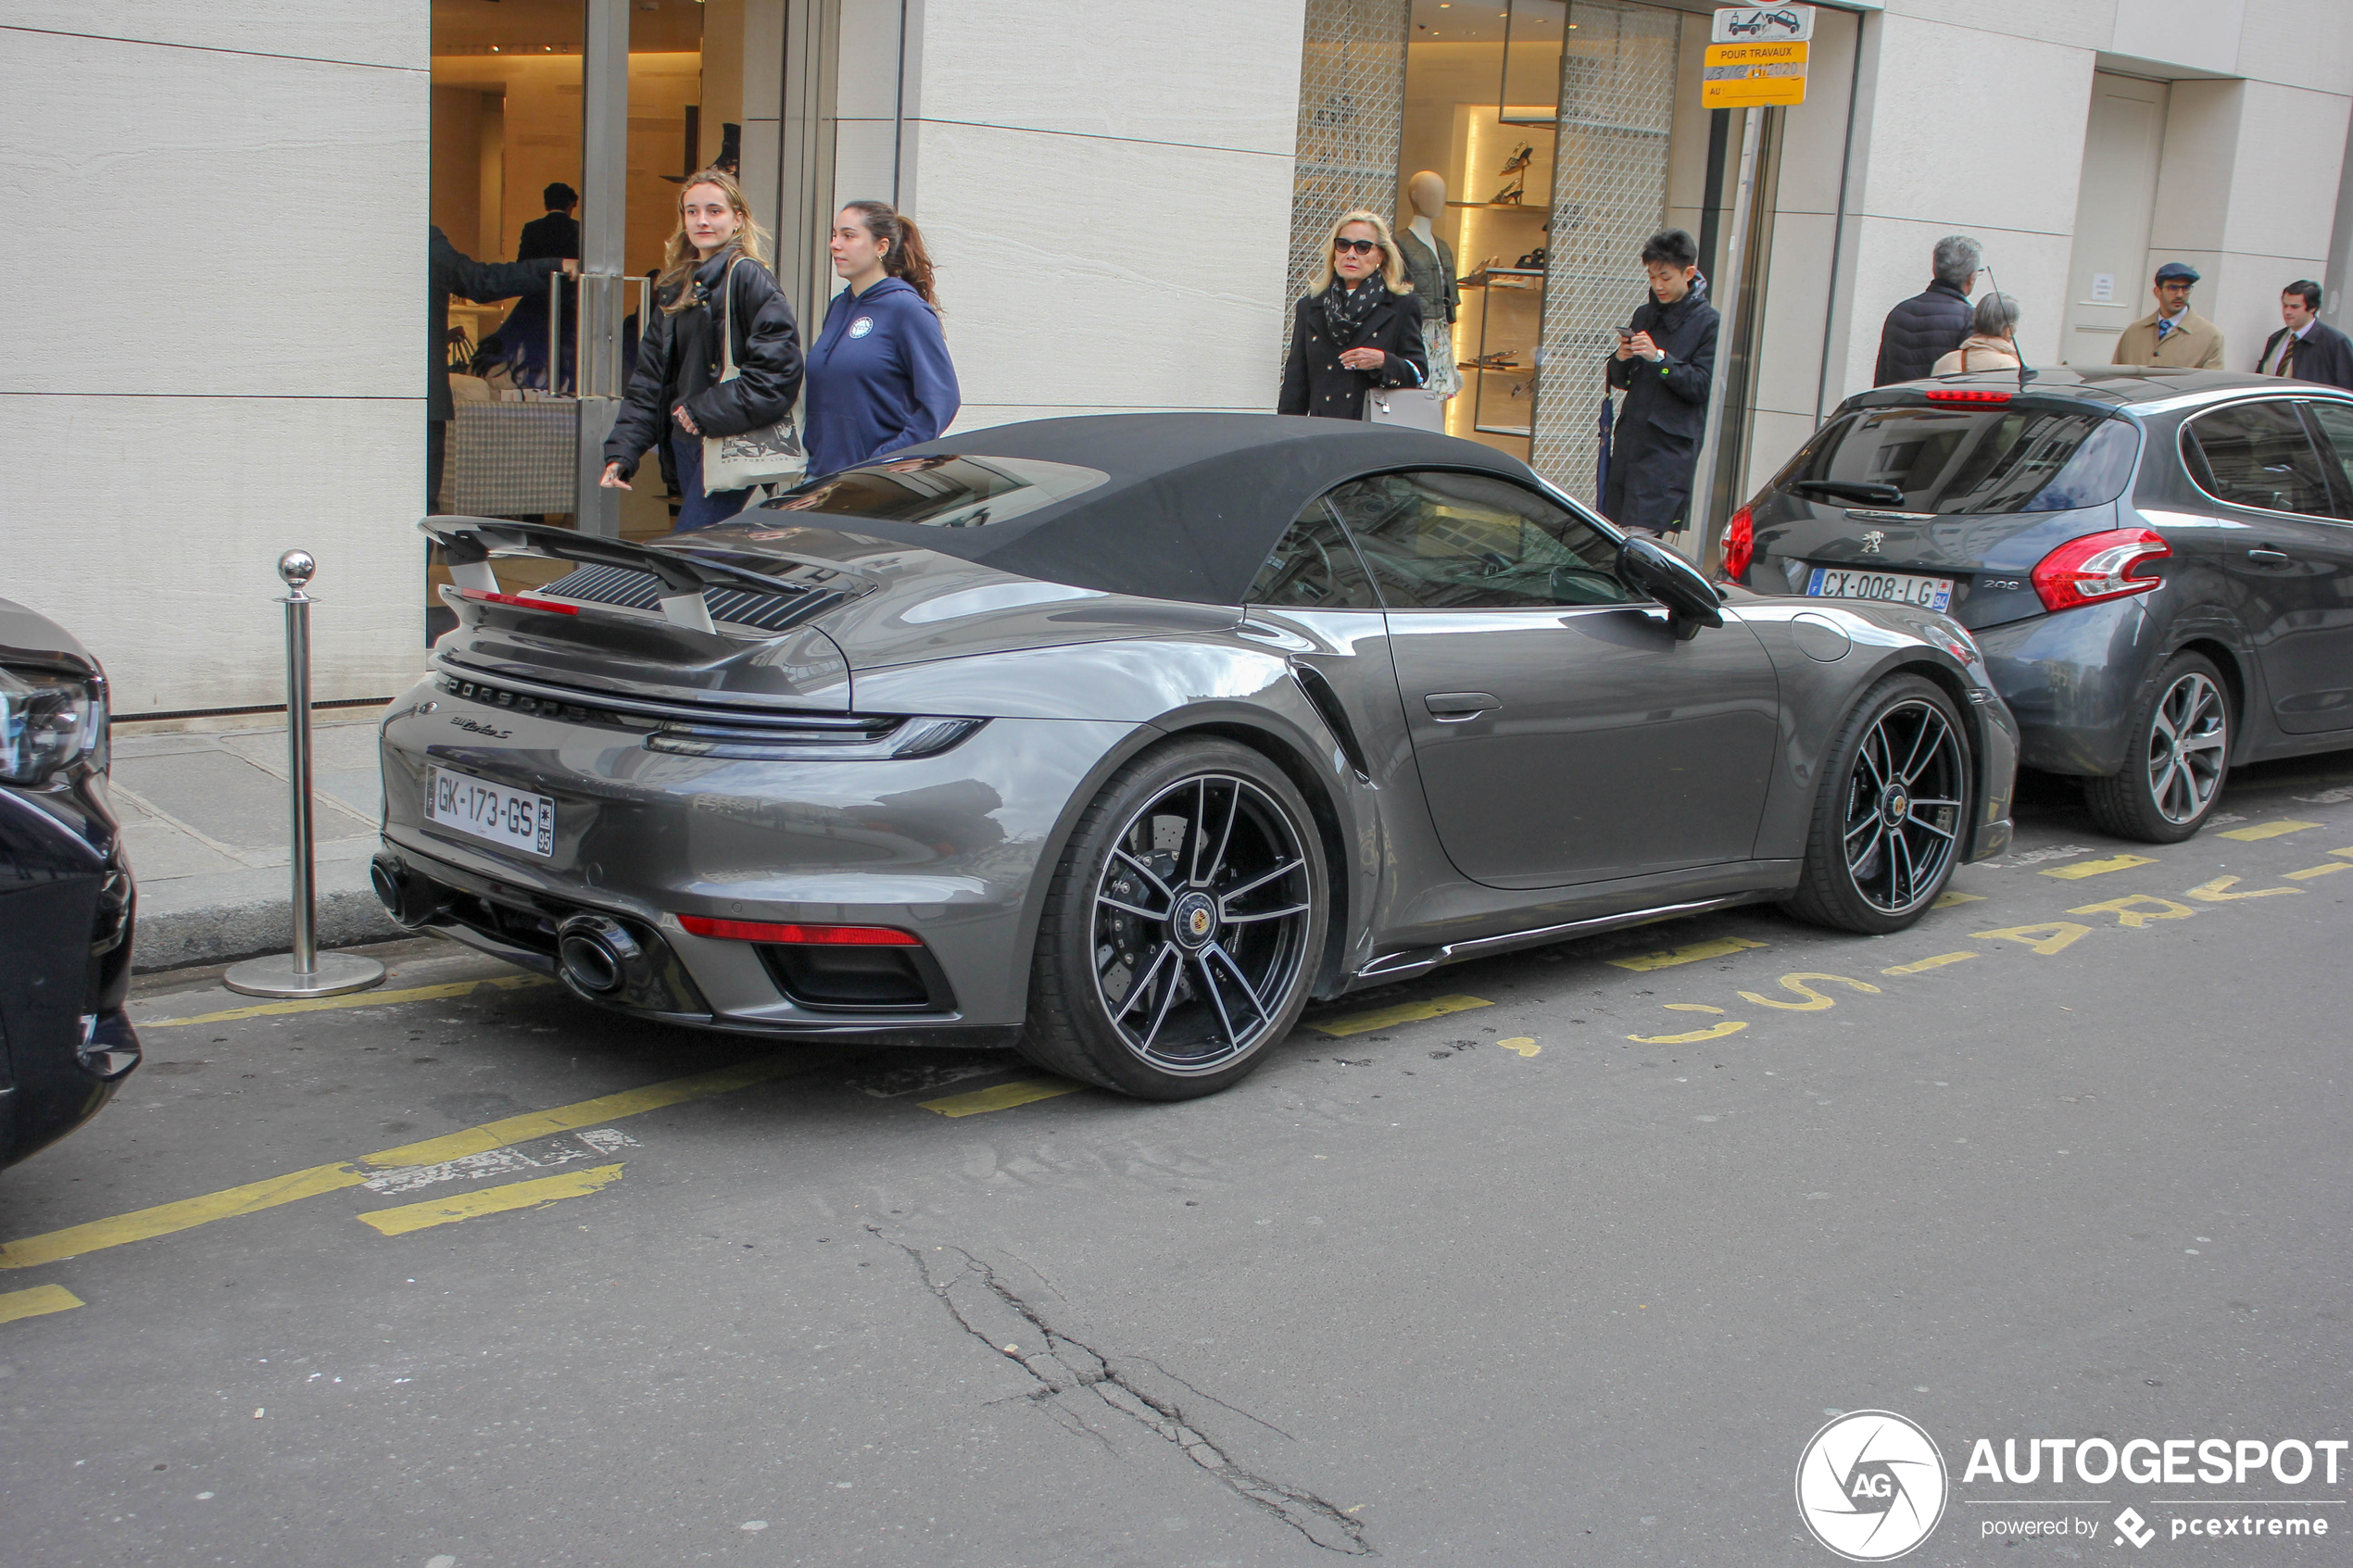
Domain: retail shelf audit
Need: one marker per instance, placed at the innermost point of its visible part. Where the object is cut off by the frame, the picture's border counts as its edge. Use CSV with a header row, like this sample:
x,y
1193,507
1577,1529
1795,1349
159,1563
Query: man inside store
x,y
1664,359
2174,334
558,234
2307,347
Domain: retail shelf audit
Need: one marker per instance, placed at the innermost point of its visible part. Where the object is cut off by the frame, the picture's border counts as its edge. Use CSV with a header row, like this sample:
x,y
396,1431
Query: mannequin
x,y
1429,262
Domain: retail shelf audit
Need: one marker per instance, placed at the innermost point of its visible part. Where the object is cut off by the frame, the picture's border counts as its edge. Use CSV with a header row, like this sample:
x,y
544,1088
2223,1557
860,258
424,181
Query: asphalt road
x,y
1554,1259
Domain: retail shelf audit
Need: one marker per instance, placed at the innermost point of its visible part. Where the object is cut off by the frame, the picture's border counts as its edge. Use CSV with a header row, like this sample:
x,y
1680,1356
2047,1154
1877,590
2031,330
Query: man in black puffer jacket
x,y
1928,326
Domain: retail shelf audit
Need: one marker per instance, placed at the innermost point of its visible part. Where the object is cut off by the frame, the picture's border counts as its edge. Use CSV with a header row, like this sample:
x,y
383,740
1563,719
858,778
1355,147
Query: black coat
x,y
1315,383
447,271
2324,354
678,362
1921,331
1658,428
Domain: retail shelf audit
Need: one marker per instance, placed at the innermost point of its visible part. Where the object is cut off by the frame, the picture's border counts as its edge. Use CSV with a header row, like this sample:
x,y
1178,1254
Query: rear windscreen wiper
x,y
1865,492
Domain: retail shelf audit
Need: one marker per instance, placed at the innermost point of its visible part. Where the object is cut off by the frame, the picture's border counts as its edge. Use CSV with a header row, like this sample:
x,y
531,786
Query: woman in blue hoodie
x,y
878,375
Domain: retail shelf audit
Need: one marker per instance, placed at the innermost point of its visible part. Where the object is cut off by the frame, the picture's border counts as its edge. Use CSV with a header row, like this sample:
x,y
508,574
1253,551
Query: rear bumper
x,y
2070,679
947,847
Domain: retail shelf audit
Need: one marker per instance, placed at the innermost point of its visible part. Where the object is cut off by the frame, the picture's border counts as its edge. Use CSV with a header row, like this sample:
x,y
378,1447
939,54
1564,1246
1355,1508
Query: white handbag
x,y
764,455
1416,408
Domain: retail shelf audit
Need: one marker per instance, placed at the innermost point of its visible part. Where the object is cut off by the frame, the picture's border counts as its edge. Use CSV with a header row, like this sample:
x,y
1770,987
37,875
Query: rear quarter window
x,y
1959,461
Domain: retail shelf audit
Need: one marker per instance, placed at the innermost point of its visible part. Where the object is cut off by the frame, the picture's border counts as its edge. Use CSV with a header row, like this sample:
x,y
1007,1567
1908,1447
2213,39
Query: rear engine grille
x,y
738,607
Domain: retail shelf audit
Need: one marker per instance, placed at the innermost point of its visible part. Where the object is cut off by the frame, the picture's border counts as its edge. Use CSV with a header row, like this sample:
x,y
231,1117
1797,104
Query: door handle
x,y
2269,558
1453,708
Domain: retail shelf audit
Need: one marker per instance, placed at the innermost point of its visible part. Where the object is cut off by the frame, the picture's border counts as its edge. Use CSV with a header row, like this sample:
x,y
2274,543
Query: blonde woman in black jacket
x,y
714,269
1359,327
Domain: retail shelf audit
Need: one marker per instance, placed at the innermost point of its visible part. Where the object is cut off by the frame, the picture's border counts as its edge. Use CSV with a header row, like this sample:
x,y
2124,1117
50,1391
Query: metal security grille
x,y
1609,195
642,590
1351,108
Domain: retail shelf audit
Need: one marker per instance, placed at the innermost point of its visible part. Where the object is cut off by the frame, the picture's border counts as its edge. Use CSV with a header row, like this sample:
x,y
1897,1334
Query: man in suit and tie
x,y
2307,348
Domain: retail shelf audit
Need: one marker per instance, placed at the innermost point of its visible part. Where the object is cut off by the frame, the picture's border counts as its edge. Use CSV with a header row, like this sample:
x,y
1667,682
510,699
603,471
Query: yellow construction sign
x,y
1757,56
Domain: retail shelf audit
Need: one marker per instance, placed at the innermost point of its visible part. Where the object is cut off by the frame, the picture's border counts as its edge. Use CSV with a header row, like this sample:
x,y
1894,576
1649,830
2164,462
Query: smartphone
x,y
1625,335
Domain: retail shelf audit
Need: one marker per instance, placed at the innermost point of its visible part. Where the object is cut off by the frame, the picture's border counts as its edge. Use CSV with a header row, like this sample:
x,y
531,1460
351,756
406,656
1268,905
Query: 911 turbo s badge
x,y
480,729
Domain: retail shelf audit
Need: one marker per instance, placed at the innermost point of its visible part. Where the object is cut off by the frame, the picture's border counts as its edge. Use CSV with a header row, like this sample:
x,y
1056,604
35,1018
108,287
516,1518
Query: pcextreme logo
x,y
1871,1486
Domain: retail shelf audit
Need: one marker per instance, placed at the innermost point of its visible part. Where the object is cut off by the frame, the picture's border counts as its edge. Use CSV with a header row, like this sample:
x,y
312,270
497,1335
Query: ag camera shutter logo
x,y
1871,1486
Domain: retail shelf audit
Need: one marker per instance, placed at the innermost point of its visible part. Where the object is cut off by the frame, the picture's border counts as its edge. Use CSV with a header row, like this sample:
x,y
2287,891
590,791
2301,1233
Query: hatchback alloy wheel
x,y
2186,755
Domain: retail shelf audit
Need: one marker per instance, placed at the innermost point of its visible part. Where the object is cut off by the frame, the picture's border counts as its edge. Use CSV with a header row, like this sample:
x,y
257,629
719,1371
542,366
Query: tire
x,y
1182,927
1894,804
2172,778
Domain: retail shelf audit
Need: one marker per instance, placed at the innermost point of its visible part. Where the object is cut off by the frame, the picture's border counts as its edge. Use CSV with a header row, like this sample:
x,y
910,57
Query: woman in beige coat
x,y
1992,341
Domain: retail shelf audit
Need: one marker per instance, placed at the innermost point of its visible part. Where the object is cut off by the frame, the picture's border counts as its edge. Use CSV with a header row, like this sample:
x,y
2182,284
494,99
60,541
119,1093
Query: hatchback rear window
x,y
940,490
1969,461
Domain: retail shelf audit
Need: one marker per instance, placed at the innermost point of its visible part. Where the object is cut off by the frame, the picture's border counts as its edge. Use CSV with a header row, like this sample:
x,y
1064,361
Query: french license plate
x,y
1887,587
508,817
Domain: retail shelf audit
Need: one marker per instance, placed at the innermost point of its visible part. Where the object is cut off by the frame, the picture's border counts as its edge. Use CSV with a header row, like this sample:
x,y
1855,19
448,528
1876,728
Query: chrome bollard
x,y
305,972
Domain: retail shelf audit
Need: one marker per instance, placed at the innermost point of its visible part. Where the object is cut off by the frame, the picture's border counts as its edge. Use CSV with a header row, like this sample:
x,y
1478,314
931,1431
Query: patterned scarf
x,y
1345,309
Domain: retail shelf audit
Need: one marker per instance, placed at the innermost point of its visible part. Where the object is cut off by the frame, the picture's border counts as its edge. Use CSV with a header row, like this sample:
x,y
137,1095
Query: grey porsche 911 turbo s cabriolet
x,y
1121,738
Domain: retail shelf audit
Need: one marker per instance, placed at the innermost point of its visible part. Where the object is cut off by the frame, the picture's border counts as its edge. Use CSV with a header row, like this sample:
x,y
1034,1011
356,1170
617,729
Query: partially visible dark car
x,y
66,896
2158,563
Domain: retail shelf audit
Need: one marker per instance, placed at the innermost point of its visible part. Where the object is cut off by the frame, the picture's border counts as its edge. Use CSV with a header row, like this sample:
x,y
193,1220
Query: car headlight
x,y
47,723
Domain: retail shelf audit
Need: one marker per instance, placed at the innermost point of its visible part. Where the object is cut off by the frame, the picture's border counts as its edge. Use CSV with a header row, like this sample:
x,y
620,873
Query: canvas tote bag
x,y
764,455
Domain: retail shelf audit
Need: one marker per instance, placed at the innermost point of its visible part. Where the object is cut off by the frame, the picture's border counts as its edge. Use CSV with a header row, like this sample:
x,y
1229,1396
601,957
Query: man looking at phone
x,y
1664,359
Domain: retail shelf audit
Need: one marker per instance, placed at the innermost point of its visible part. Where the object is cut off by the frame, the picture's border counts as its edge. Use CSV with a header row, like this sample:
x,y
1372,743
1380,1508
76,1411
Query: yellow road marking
x,y
2217,891
1522,1044
2045,937
1722,947
587,1113
2137,909
1947,899
1730,1026
1003,1097
365,999
1404,1013
1689,1006
1922,966
491,1200
2308,873
2083,869
165,1219
1815,1001
39,1301
2268,830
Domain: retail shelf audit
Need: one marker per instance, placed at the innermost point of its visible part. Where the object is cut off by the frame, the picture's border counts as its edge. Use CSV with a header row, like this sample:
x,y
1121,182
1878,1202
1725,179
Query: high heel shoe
x,y
1518,160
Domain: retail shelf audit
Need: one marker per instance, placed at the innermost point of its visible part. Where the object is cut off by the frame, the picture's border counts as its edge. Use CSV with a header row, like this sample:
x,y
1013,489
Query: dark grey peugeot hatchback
x,y
2157,564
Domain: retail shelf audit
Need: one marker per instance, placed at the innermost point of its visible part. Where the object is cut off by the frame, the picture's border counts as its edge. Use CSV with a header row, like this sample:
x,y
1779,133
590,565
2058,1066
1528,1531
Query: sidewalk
x,y
204,818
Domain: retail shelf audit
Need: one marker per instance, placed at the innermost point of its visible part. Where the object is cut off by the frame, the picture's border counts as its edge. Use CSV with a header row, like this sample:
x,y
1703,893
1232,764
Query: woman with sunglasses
x,y
1358,329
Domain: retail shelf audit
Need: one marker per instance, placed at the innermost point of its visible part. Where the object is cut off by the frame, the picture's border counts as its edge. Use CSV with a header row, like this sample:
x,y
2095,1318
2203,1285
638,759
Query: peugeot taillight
x,y
2100,565
1740,545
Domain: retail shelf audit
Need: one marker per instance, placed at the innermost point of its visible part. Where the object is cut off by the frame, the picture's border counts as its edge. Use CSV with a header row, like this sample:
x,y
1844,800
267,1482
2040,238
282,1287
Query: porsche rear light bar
x,y
484,595
2108,565
799,936
1963,394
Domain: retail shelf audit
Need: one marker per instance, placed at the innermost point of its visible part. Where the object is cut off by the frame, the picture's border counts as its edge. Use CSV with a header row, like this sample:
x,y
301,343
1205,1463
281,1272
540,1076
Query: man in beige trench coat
x,y
2172,334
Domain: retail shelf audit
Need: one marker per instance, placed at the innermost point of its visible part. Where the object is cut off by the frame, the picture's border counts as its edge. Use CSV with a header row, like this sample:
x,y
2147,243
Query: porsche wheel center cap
x,y
1893,805
1195,919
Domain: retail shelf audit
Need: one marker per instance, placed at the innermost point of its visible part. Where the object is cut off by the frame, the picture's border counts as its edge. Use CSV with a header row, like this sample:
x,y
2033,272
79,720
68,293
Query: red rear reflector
x,y
486,597
1740,545
1963,394
2100,565
799,936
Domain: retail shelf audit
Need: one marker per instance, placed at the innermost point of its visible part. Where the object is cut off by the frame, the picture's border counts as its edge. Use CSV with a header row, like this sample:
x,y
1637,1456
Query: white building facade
x,y
217,211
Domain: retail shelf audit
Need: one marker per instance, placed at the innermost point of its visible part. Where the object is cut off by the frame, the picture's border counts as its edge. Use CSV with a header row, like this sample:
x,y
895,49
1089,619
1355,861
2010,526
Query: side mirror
x,y
1657,572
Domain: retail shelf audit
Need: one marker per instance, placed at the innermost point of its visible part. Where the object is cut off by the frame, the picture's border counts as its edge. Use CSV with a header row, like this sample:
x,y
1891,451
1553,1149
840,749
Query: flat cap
x,y
2173,269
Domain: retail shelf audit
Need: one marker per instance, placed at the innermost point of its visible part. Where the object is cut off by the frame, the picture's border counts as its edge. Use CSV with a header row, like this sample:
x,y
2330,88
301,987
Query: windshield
x,y
1970,461
940,491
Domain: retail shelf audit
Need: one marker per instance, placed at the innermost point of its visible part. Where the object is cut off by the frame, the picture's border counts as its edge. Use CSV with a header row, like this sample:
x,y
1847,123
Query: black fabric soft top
x,y
1194,503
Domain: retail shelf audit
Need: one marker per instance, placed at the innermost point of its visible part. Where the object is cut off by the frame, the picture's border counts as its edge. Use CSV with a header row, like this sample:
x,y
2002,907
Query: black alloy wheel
x,y
2172,778
1181,932
1894,804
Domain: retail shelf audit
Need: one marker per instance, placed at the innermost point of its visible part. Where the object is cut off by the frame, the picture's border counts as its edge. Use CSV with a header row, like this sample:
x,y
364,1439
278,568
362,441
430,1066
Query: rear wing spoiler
x,y
468,543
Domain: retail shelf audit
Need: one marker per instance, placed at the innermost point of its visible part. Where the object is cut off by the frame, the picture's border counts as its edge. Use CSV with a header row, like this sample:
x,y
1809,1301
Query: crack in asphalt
x,y
1066,1368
